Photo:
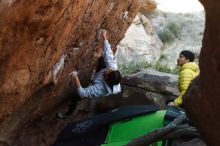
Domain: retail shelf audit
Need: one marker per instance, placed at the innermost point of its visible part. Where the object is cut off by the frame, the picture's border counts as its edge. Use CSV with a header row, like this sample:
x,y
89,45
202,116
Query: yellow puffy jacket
x,y
187,73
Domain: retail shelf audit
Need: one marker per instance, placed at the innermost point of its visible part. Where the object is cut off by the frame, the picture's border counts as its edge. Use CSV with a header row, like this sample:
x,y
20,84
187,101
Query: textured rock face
x,y
34,36
203,100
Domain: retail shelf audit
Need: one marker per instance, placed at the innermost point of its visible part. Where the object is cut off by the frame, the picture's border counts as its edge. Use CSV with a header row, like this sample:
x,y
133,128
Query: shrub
x,y
169,32
165,68
166,36
174,28
134,67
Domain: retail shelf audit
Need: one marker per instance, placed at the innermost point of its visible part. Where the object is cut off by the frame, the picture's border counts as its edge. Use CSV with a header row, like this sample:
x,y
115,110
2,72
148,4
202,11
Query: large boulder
x,y
153,80
35,34
141,43
153,86
41,42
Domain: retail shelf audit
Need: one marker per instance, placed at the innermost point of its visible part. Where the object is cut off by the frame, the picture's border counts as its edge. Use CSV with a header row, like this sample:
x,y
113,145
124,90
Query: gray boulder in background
x,y
150,85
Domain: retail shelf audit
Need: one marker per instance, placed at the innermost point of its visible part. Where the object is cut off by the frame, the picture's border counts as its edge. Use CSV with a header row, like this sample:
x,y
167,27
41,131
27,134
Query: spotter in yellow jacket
x,y
188,71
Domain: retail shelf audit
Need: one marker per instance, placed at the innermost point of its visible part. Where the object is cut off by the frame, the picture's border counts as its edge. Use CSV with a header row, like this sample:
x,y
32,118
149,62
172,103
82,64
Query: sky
x,y
179,6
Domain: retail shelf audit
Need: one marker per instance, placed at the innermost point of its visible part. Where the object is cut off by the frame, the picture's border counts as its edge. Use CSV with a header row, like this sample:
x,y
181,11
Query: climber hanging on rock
x,y
106,79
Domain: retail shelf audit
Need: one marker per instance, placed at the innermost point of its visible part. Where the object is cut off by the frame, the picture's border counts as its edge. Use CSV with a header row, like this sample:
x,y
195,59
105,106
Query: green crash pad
x,y
122,132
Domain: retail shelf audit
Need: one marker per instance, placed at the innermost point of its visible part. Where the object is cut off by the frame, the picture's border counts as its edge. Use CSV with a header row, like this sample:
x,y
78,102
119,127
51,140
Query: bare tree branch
x,y
183,130
157,134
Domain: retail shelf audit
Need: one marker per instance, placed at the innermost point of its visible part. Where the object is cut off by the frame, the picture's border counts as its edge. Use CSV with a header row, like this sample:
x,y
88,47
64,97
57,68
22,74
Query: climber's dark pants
x,y
73,104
